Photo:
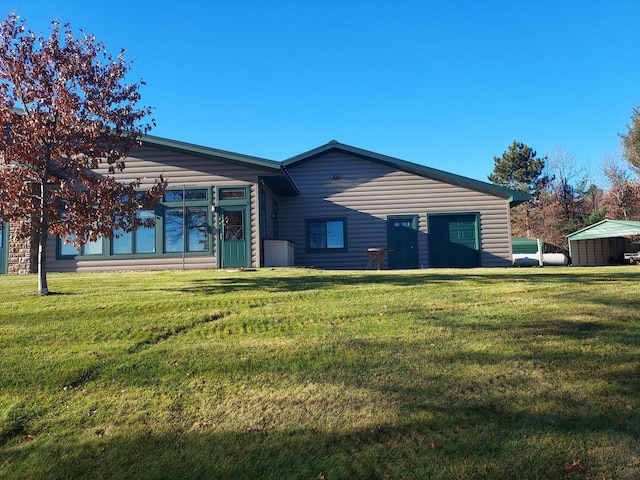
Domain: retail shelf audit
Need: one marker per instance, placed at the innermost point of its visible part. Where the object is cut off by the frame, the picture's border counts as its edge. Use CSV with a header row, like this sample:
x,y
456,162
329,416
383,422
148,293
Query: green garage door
x,y
454,240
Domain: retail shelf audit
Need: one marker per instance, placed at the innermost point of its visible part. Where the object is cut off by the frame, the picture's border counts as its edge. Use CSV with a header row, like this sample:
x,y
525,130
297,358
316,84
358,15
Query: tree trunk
x,y
43,233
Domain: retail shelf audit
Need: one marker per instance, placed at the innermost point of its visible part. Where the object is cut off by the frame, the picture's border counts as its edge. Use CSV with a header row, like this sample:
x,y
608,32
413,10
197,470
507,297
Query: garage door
x,y
454,240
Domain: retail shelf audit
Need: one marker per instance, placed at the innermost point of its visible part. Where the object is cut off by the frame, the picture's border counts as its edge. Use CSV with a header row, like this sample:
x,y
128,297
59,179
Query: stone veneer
x,y
23,253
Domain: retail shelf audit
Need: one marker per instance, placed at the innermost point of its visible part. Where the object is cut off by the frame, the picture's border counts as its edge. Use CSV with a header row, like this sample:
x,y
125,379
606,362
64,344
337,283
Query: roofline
x,y
208,152
585,228
606,220
513,196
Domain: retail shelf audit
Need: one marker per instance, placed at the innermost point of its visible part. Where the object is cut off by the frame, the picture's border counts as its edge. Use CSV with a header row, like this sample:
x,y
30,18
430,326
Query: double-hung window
x,y
326,234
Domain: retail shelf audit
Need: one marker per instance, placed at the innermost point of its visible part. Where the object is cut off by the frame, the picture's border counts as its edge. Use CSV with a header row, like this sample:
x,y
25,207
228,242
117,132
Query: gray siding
x,y
337,184
148,163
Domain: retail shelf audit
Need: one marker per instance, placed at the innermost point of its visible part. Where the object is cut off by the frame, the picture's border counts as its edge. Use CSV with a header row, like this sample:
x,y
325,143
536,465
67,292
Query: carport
x,y
604,243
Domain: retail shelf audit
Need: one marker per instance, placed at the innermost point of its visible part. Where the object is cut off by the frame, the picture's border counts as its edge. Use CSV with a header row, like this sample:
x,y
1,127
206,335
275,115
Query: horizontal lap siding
x,y
178,169
365,192
164,263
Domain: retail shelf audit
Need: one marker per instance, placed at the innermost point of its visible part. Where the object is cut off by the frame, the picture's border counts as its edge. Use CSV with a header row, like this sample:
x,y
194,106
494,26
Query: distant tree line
x,y
565,196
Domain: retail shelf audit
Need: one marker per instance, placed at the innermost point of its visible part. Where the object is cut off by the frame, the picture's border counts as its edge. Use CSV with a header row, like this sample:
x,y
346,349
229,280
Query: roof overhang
x,y
607,229
275,176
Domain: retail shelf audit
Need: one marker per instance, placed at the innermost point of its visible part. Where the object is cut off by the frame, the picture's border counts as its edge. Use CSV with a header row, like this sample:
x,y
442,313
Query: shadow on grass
x,y
474,441
546,392
321,279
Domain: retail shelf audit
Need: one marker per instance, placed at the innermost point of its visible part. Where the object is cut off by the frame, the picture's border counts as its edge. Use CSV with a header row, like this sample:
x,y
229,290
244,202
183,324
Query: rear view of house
x,y
335,203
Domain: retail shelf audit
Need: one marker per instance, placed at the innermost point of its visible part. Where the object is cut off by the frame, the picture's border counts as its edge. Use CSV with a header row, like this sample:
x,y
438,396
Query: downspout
x,y
185,232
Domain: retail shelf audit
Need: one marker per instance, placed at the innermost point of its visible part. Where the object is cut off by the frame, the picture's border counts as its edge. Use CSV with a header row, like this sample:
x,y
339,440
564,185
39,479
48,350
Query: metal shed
x,y
603,243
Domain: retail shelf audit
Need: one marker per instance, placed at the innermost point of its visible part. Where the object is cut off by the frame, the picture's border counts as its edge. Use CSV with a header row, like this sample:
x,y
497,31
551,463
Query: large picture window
x,y
192,222
180,224
326,234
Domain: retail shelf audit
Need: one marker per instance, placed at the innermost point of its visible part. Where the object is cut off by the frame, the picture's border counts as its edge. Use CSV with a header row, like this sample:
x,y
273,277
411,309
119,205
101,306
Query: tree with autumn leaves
x,y
66,110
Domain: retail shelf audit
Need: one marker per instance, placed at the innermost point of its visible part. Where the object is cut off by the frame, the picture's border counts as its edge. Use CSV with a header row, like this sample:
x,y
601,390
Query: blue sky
x,y
448,84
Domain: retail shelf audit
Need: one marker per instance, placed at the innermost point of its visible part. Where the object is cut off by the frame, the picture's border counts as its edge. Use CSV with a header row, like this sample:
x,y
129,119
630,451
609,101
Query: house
x,y
604,243
335,203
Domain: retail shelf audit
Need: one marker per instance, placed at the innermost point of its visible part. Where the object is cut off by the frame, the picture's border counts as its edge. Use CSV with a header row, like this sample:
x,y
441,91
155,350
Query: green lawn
x,y
454,374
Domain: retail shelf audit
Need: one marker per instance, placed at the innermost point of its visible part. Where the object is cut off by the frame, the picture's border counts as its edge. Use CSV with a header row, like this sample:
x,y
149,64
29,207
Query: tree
x,y
66,110
519,169
623,197
631,140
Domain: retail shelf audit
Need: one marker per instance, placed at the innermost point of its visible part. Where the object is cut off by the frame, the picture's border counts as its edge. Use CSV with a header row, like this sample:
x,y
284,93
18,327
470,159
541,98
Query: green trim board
x,y
275,177
4,241
514,197
208,152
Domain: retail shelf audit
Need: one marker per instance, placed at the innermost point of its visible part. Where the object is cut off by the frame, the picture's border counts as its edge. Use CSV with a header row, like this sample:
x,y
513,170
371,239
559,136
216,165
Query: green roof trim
x,y
207,152
276,177
514,197
607,229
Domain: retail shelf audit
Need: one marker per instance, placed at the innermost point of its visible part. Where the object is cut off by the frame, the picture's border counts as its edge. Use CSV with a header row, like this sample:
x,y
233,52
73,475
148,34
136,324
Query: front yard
x,y
483,373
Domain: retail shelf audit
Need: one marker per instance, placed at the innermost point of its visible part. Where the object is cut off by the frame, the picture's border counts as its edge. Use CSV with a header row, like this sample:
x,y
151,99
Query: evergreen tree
x,y
520,169
631,140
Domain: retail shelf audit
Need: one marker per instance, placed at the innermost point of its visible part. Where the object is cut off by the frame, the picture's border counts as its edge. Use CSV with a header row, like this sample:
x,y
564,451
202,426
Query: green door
x,y
4,238
402,240
454,240
233,233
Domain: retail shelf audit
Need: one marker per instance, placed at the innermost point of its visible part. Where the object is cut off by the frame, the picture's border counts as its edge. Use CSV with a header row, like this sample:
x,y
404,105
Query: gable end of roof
x,y
514,197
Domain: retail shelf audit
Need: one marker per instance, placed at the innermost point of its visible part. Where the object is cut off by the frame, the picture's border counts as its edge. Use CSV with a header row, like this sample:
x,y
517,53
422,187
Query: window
x,y
192,222
181,223
327,234
70,250
186,195
142,240
185,221
233,193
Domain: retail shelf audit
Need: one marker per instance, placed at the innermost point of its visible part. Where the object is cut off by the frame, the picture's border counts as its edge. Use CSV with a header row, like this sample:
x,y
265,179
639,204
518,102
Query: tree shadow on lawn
x,y
450,424
326,279
474,441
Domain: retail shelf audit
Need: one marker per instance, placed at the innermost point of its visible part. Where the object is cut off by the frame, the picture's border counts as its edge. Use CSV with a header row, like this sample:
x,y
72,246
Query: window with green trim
x,y
326,234
180,224
140,241
185,221
66,248
185,230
